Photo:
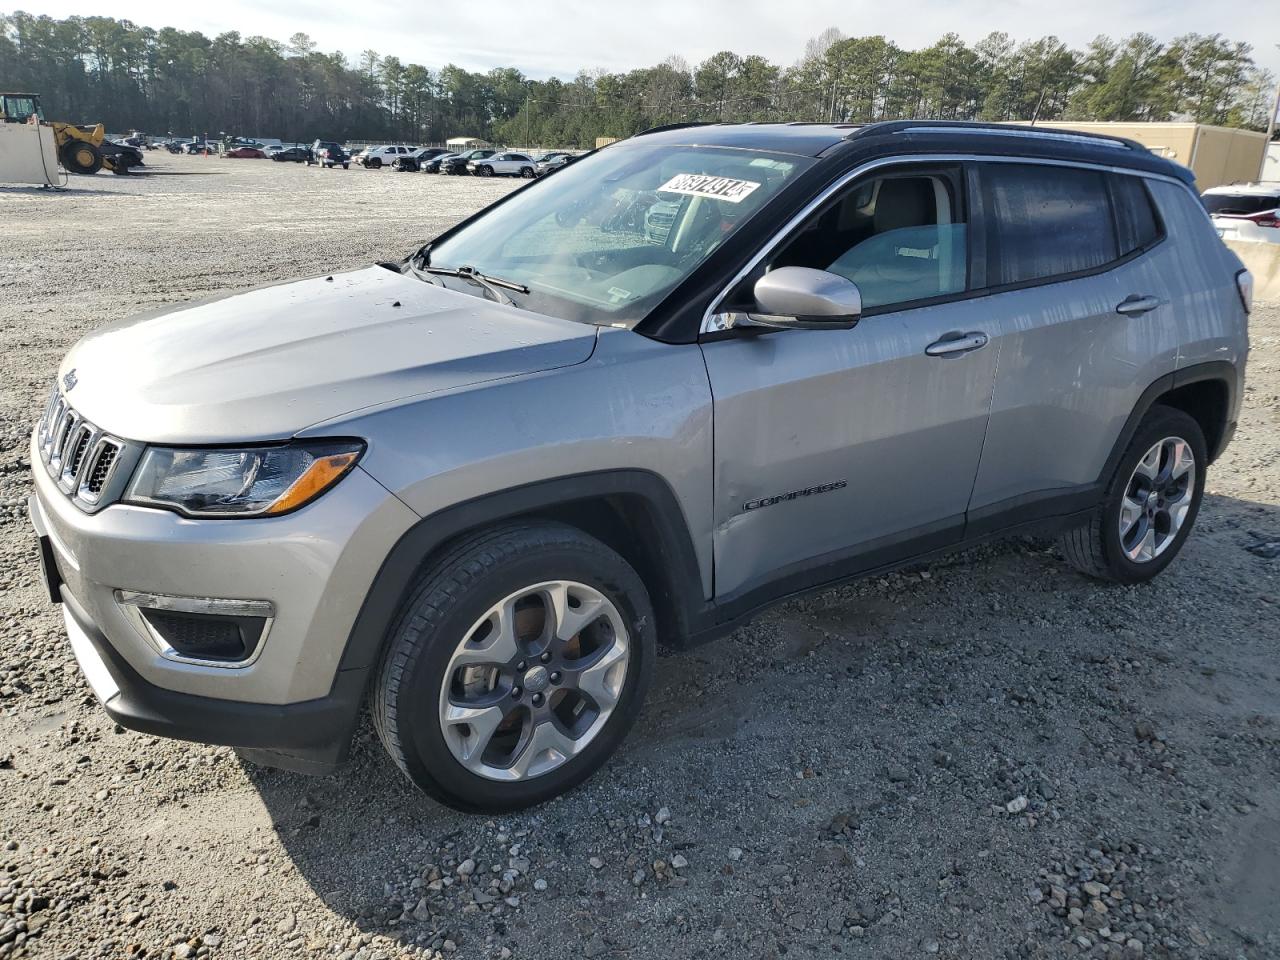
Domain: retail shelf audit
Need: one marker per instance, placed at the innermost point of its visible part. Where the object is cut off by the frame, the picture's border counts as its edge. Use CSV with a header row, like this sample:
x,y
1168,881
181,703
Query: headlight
x,y
248,482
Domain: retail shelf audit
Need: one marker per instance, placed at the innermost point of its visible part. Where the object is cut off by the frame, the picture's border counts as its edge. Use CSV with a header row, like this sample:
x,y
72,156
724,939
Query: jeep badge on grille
x,y
69,379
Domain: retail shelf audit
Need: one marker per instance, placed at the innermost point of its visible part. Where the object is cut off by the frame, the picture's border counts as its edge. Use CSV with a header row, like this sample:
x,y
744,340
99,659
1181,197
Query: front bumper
x,y
313,566
309,737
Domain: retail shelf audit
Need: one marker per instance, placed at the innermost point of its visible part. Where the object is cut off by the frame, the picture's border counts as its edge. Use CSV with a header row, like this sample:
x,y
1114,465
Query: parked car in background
x,y
376,157
459,163
198,146
549,162
505,165
327,153
1245,211
305,507
297,154
413,161
245,153
436,164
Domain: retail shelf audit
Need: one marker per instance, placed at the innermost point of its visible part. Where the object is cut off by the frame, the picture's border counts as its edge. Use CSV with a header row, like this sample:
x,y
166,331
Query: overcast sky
x,y
557,37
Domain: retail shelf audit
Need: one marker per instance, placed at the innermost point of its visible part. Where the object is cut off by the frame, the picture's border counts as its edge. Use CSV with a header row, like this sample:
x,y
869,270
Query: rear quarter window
x,y
1045,221
1137,225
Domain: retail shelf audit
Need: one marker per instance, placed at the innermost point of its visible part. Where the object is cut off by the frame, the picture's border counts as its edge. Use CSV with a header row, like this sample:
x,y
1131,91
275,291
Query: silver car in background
x,y
696,372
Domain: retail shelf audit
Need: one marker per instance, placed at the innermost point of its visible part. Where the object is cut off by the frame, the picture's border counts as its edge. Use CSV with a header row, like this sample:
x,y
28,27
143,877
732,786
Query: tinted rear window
x,y
1045,221
1241,203
1136,221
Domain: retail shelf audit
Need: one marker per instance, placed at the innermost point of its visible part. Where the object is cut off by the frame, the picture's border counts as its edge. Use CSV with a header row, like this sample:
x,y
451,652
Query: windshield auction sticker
x,y
716,188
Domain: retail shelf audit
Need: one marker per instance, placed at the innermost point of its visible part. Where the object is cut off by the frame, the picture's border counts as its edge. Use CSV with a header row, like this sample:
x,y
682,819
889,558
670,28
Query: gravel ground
x,y
987,757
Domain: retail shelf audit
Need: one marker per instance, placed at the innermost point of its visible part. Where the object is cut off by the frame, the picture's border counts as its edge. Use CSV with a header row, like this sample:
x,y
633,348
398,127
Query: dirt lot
x,y
988,757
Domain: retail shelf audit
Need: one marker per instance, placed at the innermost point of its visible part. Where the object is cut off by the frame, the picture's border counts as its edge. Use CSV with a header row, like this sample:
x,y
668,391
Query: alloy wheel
x,y
1157,499
534,680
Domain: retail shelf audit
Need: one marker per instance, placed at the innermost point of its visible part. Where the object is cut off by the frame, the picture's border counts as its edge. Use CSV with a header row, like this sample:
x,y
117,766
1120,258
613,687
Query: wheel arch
x,y
634,512
1205,391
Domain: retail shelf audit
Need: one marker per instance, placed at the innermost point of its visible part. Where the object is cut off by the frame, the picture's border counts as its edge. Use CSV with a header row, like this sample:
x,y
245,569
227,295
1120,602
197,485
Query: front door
x,y
842,449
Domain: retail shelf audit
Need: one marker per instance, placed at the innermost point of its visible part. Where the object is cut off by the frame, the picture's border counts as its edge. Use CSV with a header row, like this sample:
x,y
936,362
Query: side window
x,y
900,238
1045,221
1136,223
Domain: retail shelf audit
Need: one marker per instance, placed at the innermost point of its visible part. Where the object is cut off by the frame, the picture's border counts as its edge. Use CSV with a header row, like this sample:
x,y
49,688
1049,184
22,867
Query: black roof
x,y
805,139
853,142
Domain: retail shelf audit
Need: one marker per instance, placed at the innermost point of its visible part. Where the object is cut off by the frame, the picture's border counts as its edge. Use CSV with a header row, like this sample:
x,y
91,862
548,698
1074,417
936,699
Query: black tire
x,y
346,166
81,157
1095,548
527,173
375,163
484,171
445,603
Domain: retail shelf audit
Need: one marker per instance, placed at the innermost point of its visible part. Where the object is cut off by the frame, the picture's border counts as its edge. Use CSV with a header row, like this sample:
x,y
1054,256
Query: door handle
x,y
954,343
1134,305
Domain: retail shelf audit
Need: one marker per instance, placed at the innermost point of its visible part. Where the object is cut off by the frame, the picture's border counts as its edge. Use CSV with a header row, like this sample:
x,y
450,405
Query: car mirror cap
x,y
804,298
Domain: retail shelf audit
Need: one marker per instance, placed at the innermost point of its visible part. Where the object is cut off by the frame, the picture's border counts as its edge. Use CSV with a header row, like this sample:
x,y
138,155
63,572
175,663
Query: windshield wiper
x,y
491,285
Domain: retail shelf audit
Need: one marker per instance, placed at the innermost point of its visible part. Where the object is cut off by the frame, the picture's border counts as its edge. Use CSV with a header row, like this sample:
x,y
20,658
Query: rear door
x,y
849,448
1077,263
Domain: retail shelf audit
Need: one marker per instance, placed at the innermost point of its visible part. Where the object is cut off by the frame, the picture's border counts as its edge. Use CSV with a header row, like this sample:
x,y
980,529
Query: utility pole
x,y
526,118
1271,128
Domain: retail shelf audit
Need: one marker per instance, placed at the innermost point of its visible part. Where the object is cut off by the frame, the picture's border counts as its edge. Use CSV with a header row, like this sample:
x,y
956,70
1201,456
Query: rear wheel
x,y
517,666
80,156
1150,505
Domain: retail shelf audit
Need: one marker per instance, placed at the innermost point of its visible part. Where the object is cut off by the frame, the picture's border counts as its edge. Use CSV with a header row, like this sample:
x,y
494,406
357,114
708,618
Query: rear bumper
x,y
309,737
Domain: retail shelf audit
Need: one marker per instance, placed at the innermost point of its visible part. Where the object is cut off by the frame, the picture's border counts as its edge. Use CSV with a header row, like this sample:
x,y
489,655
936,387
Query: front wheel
x,y
484,171
526,173
1150,504
516,667
80,156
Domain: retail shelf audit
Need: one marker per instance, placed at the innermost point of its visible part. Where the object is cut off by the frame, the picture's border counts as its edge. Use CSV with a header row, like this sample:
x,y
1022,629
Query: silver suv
x,y
471,492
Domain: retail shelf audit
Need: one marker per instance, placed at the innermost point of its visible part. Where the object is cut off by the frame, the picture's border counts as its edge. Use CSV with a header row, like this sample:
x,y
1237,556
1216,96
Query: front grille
x,y
101,468
77,454
78,449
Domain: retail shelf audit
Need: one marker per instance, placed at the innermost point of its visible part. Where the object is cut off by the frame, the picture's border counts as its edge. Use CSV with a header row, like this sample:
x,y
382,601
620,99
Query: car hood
x,y
265,364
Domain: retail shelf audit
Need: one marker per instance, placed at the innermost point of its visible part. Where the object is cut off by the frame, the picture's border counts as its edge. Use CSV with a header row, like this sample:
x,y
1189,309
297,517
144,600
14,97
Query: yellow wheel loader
x,y
81,149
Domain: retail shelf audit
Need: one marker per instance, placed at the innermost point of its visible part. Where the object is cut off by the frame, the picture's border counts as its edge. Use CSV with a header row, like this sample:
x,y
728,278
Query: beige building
x,y
1216,155
463,144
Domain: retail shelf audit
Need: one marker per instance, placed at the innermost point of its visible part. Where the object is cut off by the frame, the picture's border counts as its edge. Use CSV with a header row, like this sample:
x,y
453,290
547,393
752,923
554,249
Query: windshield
x,y
1240,203
608,237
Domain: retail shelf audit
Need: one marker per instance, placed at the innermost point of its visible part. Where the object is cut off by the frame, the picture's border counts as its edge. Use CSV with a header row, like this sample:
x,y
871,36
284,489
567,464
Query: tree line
x,y
169,81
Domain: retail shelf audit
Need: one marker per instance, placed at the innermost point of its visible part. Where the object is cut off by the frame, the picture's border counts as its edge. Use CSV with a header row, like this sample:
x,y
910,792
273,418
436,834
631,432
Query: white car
x,y
505,165
553,161
1245,211
376,157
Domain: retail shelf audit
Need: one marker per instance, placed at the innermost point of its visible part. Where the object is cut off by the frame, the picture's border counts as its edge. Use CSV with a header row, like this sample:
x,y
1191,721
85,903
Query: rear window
x,y
1243,204
1045,221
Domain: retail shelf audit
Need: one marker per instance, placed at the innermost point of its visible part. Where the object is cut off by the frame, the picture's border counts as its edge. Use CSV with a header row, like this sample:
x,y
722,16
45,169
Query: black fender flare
x,y
680,591
1222,371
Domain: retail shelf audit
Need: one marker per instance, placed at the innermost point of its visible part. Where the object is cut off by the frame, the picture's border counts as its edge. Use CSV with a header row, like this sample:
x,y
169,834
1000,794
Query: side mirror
x,y
803,298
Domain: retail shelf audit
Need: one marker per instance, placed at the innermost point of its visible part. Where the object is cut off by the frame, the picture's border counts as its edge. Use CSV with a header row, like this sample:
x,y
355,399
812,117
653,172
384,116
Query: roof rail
x,y
675,126
993,129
